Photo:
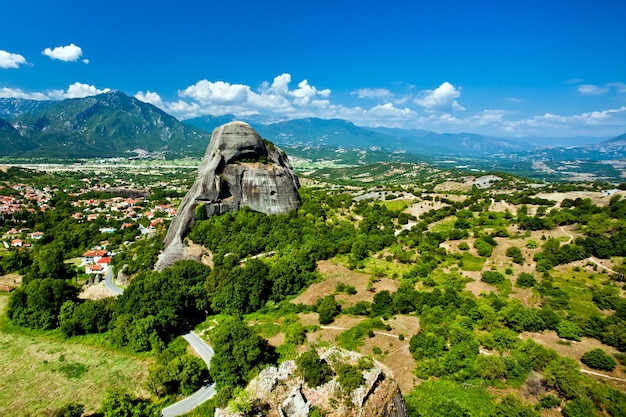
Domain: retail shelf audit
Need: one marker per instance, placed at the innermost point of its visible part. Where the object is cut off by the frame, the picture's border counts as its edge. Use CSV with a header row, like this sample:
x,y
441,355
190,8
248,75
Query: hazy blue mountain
x,y
209,122
107,125
13,107
313,132
341,133
616,141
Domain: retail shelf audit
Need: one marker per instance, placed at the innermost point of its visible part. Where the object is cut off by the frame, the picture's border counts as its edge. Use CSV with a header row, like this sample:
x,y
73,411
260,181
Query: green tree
x,y
38,303
328,309
382,304
238,353
525,280
563,374
313,370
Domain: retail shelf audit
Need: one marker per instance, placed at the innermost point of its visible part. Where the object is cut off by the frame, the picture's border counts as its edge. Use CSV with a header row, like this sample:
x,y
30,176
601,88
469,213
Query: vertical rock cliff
x,y
239,169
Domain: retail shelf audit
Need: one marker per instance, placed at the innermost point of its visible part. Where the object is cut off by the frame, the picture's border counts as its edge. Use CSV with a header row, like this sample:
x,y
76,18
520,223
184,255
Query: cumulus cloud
x,y
206,91
69,53
150,97
441,98
220,97
18,93
77,90
10,60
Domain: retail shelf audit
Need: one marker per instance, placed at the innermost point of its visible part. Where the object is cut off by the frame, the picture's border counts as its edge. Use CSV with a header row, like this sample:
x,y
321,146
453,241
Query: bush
x,y
525,280
314,371
568,330
579,407
515,254
492,277
328,309
598,359
349,377
549,401
463,246
563,374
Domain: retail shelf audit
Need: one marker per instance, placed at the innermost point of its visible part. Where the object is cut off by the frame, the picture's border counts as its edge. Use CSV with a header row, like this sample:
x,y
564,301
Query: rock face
x,y
281,392
238,170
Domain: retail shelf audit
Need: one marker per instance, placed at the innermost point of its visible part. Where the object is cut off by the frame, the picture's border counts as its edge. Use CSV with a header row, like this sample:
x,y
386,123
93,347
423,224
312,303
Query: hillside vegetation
x,y
483,295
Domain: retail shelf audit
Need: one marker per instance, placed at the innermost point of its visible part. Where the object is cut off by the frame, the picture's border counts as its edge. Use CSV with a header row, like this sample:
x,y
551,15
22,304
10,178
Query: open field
x,y
39,374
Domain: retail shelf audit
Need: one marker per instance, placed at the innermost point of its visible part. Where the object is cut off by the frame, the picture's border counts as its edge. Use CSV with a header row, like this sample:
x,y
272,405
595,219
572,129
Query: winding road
x,y
110,285
205,351
204,393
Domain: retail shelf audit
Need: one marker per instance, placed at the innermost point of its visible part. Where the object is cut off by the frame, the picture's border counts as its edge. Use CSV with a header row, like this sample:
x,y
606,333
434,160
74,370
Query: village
x,y
20,203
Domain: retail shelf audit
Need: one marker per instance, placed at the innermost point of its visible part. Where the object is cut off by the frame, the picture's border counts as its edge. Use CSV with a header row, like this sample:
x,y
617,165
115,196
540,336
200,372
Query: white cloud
x,y
441,98
18,93
77,90
593,90
590,89
69,53
206,91
86,61
10,60
380,93
150,97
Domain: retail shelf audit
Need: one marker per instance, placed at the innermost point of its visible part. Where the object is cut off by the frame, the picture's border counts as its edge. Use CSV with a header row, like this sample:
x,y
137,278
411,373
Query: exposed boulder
x,y
281,392
239,169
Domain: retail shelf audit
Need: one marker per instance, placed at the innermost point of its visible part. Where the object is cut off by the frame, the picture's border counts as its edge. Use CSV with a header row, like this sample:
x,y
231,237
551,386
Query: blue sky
x,y
506,68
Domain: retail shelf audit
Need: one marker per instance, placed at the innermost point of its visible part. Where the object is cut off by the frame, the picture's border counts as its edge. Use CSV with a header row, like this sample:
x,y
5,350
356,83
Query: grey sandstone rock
x,y
238,170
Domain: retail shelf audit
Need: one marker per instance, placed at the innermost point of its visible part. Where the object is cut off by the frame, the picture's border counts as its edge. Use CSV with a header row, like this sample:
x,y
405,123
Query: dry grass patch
x,y
334,274
12,280
575,350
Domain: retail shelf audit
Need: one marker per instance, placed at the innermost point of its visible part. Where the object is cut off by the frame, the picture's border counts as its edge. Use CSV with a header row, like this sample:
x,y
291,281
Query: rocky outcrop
x,y
281,392
238,170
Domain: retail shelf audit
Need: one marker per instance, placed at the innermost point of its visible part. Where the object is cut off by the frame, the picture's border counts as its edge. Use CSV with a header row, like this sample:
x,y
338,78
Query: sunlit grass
x,y
40,374
469,262
435,397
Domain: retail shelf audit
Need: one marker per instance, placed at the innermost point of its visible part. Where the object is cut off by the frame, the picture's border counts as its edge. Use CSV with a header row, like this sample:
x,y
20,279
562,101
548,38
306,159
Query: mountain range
x,y
107,125
116,125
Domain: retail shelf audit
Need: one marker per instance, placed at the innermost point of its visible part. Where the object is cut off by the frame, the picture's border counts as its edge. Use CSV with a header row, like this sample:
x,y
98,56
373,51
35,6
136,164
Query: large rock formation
x,y
238,170
281,392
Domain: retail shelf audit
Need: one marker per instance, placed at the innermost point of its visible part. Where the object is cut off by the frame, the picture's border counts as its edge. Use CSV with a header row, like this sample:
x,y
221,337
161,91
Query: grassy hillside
x,y
40,373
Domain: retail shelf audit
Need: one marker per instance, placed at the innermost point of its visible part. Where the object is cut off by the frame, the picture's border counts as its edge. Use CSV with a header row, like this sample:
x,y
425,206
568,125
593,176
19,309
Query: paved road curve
x,y
204,393
110,285
205,352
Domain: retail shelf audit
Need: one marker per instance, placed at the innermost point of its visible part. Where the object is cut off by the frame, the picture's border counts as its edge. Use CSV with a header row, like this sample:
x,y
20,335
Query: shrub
x,y
598,359
525,280
515,254
563,374
549,401
328,309
349,377
579,407
463,246
532,244
568,330
492,277
314,371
